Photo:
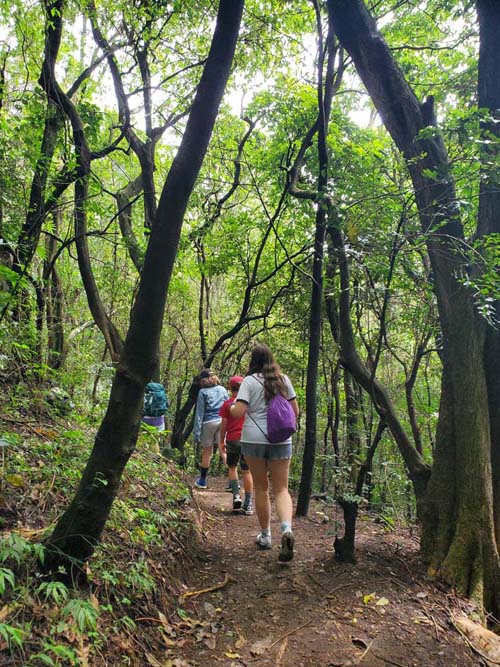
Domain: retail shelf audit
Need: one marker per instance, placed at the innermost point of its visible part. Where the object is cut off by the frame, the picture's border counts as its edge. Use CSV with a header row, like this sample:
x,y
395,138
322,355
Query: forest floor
x,y
179,582
315,611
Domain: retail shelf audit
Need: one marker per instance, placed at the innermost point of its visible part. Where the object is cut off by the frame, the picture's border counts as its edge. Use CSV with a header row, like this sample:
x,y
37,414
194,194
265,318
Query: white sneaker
x,y
263,541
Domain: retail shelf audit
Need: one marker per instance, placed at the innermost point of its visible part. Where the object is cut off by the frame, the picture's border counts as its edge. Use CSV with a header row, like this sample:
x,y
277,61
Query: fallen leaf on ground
x,y
152,660
5,611
260,647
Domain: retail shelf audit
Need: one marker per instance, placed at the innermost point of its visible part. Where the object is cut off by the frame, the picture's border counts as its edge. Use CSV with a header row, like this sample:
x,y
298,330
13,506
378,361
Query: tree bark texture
x,y
489,207
468,558
54,306
79,529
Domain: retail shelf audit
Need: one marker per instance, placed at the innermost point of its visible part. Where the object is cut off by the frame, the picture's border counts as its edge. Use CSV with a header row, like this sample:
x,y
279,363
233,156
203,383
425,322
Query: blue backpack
x,y
155,400
281,421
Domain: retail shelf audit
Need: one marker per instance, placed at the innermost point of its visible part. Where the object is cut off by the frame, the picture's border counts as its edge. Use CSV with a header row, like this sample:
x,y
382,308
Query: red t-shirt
x,y
234,426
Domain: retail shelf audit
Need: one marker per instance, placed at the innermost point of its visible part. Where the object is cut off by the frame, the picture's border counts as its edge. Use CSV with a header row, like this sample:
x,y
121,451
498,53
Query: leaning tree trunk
x,y
469,558
79,529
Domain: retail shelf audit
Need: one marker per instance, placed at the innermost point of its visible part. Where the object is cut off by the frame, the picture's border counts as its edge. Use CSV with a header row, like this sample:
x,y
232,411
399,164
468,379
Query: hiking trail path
x,y
244,609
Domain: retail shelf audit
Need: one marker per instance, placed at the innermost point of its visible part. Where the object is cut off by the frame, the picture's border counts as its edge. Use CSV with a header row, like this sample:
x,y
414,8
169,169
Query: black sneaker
x,y
247,509
237,502
286,551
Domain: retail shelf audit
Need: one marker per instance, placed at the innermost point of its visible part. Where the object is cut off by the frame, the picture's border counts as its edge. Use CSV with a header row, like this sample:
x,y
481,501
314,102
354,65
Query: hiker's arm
x,y
222,439
295,406
239,409
198,416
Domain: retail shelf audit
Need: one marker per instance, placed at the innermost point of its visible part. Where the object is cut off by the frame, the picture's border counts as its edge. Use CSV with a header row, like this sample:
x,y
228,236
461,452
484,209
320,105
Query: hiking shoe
x,y
229,489
201,483
263,541
247,509
237,502
286,551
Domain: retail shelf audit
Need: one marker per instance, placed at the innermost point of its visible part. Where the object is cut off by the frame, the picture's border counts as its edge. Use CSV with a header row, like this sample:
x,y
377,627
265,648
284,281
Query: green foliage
x,y
83,614
53,590
13,636
7,578
241,230
55,655
15,549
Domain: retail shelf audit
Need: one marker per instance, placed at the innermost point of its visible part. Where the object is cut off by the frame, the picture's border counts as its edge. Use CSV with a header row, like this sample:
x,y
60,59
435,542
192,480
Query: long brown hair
x,y
262,361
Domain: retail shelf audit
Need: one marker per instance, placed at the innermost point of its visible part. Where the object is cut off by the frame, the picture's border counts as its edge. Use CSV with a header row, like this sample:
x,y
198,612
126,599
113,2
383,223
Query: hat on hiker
x,y
235,381
206,373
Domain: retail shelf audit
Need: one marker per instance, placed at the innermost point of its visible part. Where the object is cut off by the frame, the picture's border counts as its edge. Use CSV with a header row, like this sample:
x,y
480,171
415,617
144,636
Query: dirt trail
x,y
313,612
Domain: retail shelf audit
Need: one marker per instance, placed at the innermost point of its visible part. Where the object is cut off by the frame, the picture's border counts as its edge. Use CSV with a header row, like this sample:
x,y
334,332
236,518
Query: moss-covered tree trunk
x,y
79,529
488,215
457,509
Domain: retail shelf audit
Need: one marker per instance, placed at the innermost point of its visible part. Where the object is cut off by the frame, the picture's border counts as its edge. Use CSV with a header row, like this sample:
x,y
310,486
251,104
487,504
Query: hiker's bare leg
x,y
247,481
279,469
258,468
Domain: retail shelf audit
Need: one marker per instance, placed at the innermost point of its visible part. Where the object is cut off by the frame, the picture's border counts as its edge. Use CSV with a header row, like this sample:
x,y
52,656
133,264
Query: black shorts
x,y
234,455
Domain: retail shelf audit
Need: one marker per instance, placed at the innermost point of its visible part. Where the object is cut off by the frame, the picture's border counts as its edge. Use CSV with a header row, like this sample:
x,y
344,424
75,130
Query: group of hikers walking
x,y
252,429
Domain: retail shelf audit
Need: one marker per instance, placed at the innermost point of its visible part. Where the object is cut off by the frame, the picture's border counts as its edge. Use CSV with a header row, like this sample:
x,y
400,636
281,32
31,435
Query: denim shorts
x,y
266,450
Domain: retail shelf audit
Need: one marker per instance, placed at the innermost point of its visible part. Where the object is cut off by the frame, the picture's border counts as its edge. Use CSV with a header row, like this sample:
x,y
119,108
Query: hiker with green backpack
x,y
155,405
267,400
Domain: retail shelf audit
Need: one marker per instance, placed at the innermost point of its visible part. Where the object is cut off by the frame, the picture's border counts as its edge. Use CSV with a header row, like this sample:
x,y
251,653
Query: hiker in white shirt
x,y
263,380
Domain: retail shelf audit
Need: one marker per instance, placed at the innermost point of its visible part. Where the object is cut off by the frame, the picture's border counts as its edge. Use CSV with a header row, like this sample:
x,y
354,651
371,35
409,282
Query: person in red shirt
x,y
230,449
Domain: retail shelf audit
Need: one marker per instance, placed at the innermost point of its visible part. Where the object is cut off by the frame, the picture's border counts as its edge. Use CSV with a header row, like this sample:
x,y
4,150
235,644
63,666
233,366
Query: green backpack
x,y
155,400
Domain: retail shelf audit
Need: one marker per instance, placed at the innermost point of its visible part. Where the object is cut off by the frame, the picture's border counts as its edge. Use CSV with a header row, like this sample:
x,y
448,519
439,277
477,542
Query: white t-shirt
x,y
252,393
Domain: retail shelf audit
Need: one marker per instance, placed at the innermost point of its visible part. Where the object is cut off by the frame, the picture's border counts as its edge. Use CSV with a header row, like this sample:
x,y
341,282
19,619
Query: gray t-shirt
x,y
252,393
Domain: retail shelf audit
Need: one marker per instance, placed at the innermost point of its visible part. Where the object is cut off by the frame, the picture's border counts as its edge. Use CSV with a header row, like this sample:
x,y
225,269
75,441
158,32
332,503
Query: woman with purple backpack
x,y
265,456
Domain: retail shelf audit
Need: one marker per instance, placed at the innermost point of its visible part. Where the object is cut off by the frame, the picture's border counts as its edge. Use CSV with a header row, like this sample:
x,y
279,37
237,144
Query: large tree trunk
x,y
489,207
469,557
79,529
